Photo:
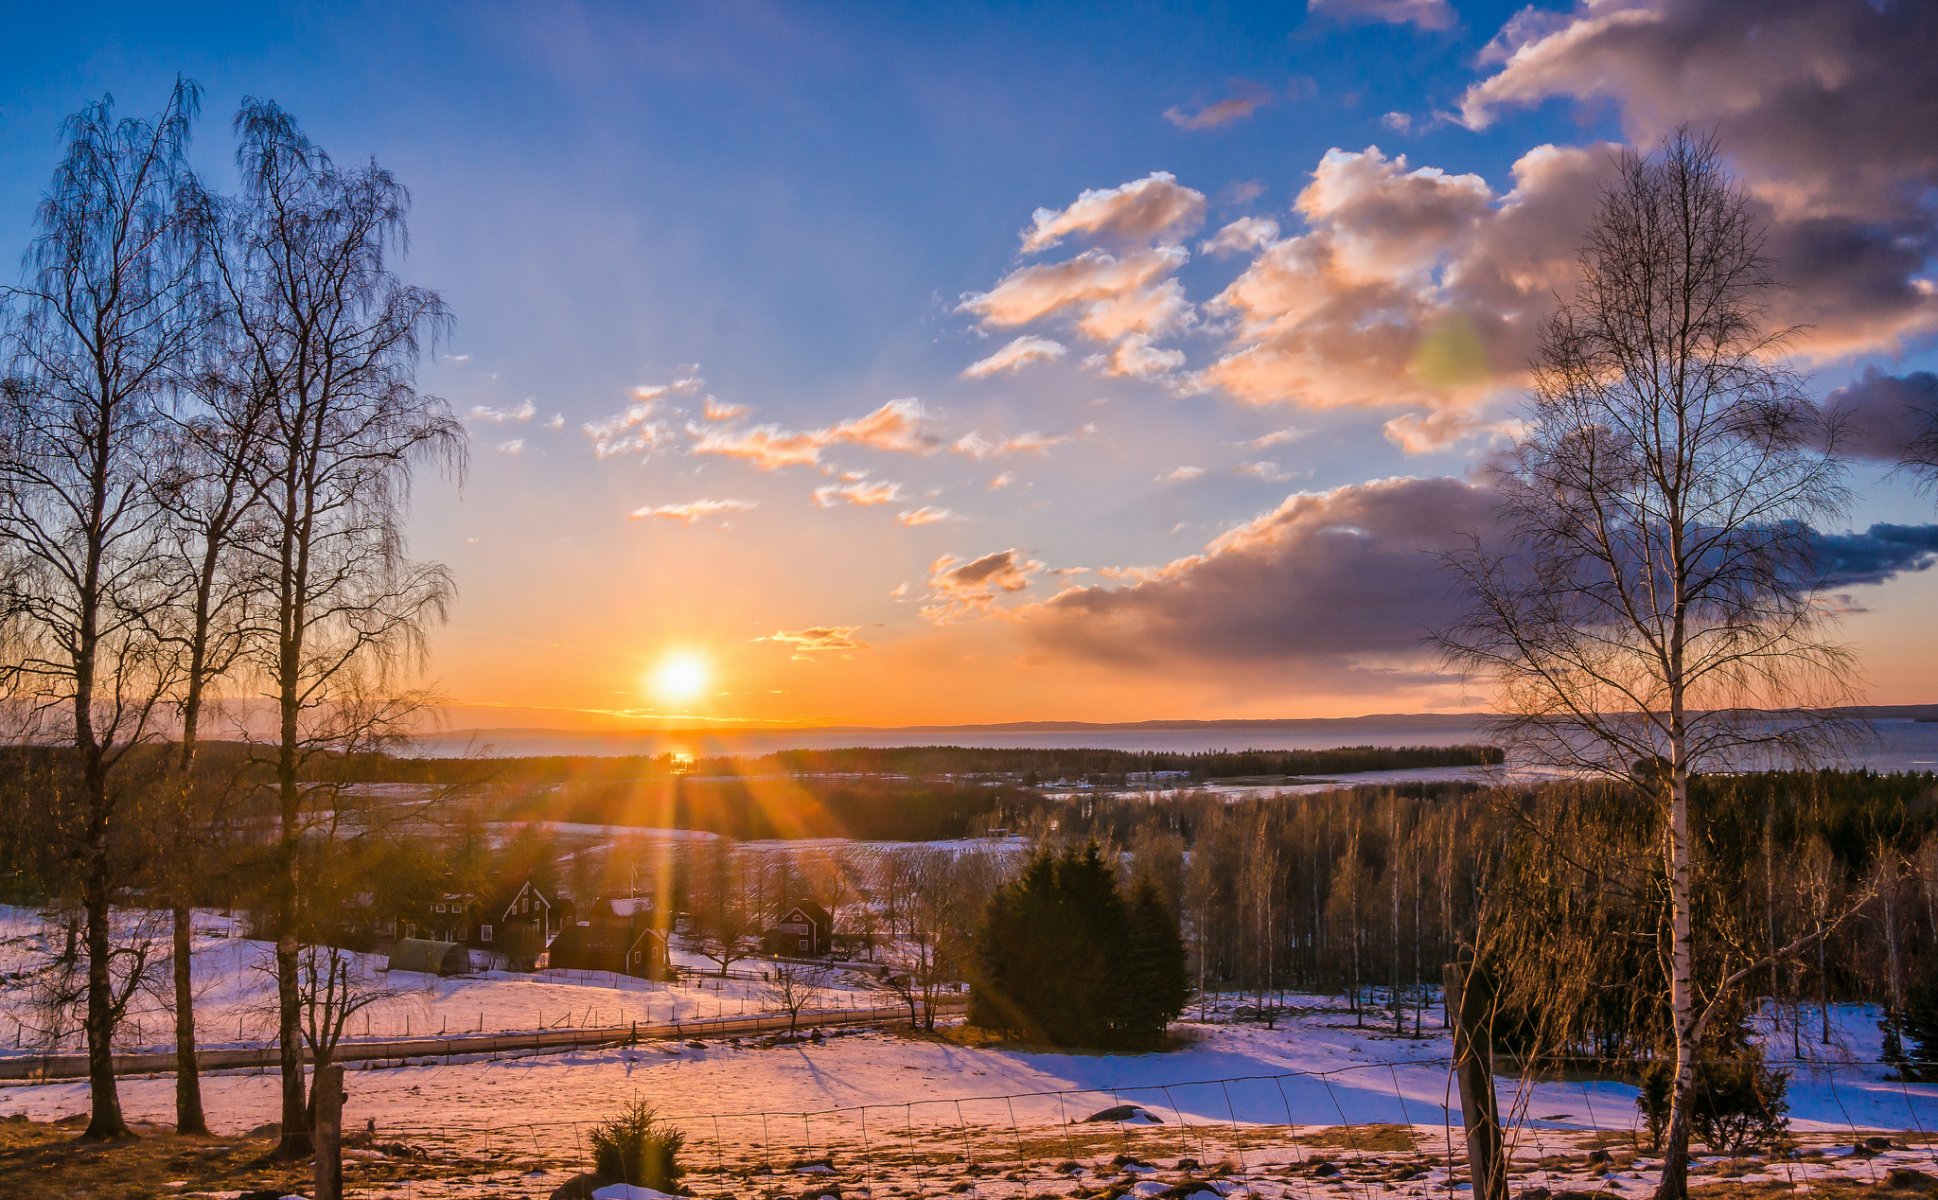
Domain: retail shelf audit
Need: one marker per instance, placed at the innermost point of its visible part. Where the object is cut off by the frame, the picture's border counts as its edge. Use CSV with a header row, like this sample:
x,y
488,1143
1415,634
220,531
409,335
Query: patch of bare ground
x,y
40,1159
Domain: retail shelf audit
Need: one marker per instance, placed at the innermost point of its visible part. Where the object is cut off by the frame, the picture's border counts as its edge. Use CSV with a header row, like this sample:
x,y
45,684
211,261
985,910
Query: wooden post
x,y
1468,999
328,1134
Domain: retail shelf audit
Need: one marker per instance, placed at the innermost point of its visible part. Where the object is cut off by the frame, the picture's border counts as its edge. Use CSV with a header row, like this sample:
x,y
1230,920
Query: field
x,y
1316,1106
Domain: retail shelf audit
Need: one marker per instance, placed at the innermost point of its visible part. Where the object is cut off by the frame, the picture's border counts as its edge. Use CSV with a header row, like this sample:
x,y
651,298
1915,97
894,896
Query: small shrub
x,y
637,1147
1739,1103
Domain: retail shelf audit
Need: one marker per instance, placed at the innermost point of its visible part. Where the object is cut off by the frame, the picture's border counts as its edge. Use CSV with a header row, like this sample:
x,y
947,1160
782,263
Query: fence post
x,y
328,1087
1469,999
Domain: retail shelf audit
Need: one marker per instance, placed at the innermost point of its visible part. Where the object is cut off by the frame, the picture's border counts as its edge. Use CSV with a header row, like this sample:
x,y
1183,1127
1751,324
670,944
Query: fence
x,y
1364,1130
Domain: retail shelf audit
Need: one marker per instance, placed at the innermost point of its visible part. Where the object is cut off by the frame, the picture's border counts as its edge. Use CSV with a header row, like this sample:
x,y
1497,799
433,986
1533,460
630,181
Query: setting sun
x,y
681,677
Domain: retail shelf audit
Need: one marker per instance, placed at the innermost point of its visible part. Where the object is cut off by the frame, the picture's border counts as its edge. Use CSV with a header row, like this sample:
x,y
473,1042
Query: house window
x,y
438,907
484,933
804,945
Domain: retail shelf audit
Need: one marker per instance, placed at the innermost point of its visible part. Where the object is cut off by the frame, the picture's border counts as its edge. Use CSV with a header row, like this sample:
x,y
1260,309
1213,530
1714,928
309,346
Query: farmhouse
x,y
520,923
624,936
804,931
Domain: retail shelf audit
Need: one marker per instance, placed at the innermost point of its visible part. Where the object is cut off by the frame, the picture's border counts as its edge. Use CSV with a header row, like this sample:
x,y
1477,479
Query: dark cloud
x,y
1882,416
1875,555
1344,586
1322,579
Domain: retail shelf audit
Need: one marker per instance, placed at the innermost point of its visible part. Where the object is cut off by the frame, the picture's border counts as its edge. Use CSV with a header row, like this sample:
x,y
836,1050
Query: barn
x,y
430,958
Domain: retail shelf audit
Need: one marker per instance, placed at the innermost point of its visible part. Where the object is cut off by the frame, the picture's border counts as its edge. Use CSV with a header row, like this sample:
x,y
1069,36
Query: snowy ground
x,y
235,996
901,1112
1318,1105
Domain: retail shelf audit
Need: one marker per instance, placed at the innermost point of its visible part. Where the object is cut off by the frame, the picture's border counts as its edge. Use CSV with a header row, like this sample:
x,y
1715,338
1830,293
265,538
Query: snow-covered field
x,y
235,996
1317,1103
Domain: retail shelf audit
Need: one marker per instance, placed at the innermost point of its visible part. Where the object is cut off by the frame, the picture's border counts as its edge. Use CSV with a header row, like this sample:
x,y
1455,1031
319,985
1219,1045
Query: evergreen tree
x,y
1063,958
1919,1024
1156,982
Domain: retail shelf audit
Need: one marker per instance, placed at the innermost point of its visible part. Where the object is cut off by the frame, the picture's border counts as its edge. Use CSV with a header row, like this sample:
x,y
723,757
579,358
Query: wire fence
x,y
1369,1129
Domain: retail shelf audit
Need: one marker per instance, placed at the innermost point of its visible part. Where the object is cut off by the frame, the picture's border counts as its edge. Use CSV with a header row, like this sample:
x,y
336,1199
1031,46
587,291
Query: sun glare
x,y
681,677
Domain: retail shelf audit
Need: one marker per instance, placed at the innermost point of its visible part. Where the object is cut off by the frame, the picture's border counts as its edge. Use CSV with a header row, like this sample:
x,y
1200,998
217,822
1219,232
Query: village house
x,y
805,930
625,936
519,923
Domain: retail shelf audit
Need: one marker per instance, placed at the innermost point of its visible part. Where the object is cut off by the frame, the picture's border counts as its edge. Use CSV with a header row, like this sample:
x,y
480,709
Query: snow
x,y
627,1191
235,996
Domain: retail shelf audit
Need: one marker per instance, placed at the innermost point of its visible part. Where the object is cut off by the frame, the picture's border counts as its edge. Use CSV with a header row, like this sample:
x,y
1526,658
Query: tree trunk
x,y
289,1032
1682,1000
104,1119
189,1117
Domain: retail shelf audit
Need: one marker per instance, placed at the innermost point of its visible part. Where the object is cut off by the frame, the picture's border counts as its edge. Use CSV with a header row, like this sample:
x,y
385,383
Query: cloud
x,y
960,588
1881,416
925,515
1425,433
899,426
1873,556
1180,474
1409,287
1001,481
975,445
714,410
767,447
640,429
1321,583
1427,14
1246,99
686,383
1277,437
694,510
1016,355
514,446
1154,208
1136,358
1105,291
862,493
1340,587
524,411
1824,110
1243,236
818,639
1269,472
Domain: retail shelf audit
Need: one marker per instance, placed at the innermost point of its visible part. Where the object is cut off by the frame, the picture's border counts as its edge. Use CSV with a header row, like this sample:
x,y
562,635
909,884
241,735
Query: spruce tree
x,y
1156,982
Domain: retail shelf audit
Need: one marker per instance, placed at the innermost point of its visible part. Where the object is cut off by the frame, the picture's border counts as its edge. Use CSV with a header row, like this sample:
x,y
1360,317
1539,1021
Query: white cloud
x,y
523,412
1016,355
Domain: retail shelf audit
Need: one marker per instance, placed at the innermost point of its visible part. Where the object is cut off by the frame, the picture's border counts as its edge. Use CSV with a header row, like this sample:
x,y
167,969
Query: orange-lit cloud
x,y
960,588
863,493
820,639
1247,99
1014,356
1154,208
694,510
925,515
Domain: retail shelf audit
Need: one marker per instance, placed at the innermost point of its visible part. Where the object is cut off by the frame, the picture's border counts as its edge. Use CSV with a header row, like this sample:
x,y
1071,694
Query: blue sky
x,y
784,207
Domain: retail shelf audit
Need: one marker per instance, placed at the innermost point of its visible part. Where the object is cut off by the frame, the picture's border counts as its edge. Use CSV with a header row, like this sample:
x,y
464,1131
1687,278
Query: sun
x,y
681,677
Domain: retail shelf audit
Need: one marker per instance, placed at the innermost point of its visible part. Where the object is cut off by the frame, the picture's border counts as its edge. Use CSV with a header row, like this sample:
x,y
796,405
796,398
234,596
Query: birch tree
x,y
107,316
330,337
1655,617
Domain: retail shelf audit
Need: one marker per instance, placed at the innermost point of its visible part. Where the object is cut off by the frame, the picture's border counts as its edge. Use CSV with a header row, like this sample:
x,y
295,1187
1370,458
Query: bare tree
x,y
106,318
929,926
1656,616
208,492
723,926
329,337
792,986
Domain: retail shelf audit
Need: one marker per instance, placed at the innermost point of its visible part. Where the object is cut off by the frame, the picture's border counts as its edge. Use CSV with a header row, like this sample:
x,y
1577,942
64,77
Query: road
x,y
74,1066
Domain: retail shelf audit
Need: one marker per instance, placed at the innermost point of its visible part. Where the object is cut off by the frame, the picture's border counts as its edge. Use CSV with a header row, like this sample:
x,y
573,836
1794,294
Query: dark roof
x,y
814,912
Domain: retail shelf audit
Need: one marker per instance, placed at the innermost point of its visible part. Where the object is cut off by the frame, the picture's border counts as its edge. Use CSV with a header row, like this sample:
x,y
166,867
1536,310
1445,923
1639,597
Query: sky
x,y
906,364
